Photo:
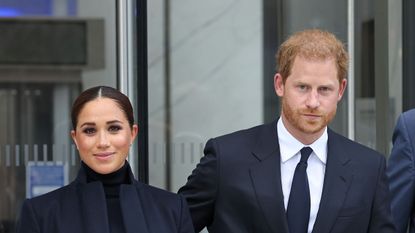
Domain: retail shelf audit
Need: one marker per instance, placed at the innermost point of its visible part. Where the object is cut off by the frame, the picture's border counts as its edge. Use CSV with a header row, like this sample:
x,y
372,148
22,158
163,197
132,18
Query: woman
x,y
105,197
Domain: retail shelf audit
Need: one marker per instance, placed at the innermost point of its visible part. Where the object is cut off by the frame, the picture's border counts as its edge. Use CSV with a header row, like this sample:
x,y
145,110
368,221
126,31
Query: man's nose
x,y
313,100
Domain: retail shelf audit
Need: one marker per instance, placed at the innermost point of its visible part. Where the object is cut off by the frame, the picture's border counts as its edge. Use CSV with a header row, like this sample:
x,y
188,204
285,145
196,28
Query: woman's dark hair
x,y
102,92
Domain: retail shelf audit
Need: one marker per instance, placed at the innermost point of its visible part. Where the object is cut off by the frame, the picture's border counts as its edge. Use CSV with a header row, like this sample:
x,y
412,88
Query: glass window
x,y
205,79
206,74
365,74
378,72
327,15
50,50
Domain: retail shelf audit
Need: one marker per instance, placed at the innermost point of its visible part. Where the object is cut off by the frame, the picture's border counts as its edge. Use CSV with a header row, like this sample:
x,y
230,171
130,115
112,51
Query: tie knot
x,y
305,153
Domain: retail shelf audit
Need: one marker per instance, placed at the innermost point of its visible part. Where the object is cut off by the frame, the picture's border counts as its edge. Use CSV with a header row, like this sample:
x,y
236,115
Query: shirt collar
x,y
290,146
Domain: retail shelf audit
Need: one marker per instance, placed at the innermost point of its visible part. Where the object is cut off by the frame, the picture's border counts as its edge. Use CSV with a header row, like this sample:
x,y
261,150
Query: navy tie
x,y
298,209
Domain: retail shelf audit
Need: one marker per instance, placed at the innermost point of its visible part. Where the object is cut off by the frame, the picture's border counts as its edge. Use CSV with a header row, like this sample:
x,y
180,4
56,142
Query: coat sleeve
x,y
201,188
27,222
401,173
381,218
186,225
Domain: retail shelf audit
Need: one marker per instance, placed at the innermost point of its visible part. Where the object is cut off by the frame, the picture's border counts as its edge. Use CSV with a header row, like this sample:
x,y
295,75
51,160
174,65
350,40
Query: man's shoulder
x,y
409,114
408,118
352,147
249,132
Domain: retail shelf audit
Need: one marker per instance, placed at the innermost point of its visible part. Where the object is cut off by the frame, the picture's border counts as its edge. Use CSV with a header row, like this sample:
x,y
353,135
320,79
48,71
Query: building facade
x,y
193,70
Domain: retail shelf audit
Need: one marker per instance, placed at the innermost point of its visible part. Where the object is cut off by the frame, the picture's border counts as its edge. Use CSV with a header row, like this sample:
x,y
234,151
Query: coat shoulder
x,y
247,137
354,149
52,196
162,200
408,119
160,195
409,113
252,131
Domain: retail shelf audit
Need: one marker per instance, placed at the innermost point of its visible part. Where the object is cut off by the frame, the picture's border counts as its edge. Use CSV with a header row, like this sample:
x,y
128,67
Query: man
x,y
252,180
401,172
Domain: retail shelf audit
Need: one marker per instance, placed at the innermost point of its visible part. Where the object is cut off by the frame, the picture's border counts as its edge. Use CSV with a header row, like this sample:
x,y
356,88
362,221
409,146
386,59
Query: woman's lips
x,y
103,155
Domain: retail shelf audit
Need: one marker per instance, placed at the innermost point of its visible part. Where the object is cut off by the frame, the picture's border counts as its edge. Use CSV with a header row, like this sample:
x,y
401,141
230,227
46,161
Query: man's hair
x,y
312,44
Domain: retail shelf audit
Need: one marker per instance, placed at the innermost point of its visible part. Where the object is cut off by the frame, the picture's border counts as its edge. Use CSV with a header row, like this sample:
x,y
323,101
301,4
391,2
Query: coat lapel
x,y
338,177
132,209
93,207
266,179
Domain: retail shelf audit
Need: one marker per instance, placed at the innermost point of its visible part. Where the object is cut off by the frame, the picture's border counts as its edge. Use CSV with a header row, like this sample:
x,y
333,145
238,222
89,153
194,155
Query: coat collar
x,y
93,205
81,178
337,180
266,180
132,210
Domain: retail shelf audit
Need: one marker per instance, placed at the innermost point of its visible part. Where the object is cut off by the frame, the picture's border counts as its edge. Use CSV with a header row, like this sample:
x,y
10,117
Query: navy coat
x,y
401,171
236,187
81,207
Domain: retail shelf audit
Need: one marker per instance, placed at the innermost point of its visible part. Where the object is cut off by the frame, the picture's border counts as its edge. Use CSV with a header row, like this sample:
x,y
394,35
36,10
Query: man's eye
x,y
89,130
302,87
324,89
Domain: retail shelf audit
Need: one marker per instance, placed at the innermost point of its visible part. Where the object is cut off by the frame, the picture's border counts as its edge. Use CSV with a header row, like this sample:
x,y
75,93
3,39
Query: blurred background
x,y
193,70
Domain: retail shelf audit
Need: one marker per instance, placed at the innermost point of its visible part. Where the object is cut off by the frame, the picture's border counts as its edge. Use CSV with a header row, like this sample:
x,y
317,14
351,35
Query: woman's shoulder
x,y
157,192
155,196
51,199
165,206
58,193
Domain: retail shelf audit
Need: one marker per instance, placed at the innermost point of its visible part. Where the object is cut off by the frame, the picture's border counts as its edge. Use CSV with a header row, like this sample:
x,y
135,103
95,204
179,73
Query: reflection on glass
x,y
33,132
209,84
45,62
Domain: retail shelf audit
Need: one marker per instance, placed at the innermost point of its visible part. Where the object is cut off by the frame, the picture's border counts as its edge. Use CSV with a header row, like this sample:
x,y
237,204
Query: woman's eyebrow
x,y
87,124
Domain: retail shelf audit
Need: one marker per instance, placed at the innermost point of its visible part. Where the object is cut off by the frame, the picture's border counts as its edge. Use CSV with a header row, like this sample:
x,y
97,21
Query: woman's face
x,y
103,135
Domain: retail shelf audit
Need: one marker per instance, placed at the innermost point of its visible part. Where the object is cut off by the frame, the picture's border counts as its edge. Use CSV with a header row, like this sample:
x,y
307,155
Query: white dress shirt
x,y
290,156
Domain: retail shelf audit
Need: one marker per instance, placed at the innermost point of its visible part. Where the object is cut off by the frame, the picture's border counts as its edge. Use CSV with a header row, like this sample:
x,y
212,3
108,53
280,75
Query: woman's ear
x,y
134,133
73,135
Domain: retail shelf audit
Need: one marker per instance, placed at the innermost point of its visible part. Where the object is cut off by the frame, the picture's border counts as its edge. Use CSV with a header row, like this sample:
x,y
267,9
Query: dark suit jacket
x,y
236,187
401,172
80,207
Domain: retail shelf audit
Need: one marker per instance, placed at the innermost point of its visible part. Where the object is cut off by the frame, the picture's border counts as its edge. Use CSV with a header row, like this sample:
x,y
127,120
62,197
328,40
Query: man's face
x,y
309,97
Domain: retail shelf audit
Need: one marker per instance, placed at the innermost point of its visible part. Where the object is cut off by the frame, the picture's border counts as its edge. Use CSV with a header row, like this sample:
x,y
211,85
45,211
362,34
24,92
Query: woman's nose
x,y
103,140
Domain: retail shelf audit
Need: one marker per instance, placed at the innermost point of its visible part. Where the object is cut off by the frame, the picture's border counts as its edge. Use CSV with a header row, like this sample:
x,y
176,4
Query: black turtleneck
x,y
111,183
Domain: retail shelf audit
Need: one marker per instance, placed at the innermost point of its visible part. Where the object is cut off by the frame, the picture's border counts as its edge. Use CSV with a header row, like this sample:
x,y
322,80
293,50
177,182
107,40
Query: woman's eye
x,y
89,130
114,128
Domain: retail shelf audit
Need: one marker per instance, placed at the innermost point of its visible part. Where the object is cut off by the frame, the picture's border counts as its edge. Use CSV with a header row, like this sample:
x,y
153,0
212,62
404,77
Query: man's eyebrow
x,y
114,121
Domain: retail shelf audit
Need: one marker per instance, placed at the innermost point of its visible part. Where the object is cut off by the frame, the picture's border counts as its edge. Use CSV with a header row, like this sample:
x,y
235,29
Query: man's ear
x,y
342,88
278,85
